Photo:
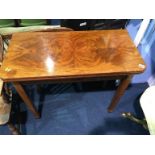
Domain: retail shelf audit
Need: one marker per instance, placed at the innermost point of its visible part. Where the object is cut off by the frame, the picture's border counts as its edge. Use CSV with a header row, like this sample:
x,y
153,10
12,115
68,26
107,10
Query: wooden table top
x,y
53,55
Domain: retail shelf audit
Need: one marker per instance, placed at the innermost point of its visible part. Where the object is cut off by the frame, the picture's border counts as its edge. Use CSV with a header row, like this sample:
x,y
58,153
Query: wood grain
x,y
81,54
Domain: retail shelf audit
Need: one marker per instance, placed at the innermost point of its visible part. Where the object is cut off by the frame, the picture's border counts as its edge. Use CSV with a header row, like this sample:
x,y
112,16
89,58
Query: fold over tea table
x,y
71,56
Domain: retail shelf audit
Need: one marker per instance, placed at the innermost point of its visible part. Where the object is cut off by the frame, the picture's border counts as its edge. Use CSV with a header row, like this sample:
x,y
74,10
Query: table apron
x,y
68,80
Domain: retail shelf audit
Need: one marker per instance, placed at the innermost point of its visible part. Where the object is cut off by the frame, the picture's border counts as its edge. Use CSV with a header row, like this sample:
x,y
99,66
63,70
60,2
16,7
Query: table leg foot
x,y
119,92
26,99
13,129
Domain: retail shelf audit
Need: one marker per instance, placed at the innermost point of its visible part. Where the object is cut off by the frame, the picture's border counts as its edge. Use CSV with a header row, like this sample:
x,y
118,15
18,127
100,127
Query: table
x,y
71,56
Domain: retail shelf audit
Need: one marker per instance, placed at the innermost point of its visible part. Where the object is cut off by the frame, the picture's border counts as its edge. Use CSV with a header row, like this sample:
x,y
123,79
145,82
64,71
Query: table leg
x,y
13,129
119,92
26,99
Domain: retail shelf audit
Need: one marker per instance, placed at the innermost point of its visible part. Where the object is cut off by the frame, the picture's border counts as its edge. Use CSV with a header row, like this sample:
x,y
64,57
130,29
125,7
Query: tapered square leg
x,y
119,92
26,99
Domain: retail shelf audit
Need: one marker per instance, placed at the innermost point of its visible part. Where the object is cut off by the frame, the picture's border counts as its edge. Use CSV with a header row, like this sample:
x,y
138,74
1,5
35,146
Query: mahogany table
x,y
71,56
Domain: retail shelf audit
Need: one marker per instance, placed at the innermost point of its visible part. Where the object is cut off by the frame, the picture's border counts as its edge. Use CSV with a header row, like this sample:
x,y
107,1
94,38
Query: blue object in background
x,y
146,49
55,21
133,27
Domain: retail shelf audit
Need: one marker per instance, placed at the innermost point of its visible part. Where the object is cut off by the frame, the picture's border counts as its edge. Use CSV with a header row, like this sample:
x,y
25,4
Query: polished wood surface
x,y
53,55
